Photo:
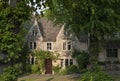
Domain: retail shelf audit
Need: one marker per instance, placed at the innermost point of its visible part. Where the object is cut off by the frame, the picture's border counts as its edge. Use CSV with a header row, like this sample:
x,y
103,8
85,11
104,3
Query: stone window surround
x,y
49,46
63,62
67,45
112,51
32,45
34,33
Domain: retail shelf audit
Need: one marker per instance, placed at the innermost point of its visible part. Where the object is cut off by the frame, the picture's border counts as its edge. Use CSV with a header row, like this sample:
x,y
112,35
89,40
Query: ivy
x,y
42,56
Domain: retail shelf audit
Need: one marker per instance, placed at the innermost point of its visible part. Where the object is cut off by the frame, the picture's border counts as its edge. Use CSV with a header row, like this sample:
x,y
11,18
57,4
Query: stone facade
x,y
44,35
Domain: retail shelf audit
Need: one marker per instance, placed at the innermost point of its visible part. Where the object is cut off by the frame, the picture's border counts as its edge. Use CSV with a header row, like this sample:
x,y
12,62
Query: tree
x,y
97,18
12,32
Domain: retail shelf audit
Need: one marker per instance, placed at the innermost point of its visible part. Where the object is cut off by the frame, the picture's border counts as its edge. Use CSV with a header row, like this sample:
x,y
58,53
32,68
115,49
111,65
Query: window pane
x,y
64,46
32,60
34,45
49,46
69,45
66,62
71,61
112,52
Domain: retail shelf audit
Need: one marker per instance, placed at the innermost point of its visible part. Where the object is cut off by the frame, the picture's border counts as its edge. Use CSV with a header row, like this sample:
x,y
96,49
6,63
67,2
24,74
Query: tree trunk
x,y
93,52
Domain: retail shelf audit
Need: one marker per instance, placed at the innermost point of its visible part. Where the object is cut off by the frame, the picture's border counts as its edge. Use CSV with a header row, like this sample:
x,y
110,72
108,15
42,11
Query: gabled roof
x,y
48,29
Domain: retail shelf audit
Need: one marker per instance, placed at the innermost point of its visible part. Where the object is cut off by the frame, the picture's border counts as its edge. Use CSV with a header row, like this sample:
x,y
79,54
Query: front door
x,y
48,66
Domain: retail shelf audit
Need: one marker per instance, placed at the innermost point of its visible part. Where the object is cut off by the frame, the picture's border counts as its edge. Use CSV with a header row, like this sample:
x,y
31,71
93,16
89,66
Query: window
x,y
34,45
49,46
66,62
112,52
32,60
71,61
67,45
34,33
64,46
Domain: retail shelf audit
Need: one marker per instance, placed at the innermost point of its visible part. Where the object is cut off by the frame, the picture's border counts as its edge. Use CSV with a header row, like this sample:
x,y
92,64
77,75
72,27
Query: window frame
x,y
112,52
49,46
32,45
34,33
67,45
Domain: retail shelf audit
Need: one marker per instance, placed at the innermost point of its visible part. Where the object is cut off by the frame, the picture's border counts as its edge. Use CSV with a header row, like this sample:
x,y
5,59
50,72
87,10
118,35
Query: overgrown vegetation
x,y
70,70
96,76
11,73
56,69
41,57
82,59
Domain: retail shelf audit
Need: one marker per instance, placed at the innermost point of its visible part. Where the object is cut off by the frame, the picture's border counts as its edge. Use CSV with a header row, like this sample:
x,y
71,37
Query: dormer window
x,y
49,46
34,33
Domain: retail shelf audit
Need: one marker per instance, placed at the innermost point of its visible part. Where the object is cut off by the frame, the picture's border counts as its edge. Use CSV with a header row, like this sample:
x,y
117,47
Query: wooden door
x,y
48,66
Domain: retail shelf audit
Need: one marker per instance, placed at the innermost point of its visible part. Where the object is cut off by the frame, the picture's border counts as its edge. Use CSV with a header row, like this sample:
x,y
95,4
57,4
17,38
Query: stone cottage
x,y
44,35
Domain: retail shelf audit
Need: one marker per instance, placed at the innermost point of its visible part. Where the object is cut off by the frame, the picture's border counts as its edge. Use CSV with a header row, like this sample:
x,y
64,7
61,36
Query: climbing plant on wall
x,y
42,55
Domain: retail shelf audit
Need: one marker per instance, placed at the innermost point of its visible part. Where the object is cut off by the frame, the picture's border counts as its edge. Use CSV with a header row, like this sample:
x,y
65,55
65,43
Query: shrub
x,y
11,73
72,69
96,76
27,68
82,58
56,69
35,69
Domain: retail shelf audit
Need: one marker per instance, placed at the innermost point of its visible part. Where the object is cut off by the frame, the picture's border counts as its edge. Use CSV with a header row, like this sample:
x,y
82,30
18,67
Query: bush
x,y
72,69
35,69
11,73
96,76
56,69
83,60
27,68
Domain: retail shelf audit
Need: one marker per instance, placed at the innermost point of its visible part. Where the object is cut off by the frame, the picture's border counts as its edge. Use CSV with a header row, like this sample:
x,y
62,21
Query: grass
x,y
51,78
58,78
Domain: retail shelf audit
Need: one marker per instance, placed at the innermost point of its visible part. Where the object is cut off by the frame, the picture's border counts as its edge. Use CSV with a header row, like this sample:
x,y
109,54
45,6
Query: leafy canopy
x,y
97,17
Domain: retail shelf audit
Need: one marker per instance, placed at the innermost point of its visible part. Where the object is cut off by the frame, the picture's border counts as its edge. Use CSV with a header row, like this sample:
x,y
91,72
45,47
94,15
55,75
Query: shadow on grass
x,y
50,79
75,78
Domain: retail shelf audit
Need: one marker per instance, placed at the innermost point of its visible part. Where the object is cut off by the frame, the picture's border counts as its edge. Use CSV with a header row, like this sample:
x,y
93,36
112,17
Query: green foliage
x,y
56,69
27,68
42,56
12,35
70,70
11,73
35,69
82,59
98,18
96,76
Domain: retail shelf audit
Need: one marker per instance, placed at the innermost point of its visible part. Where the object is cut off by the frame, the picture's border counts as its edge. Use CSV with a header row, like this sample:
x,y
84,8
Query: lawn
x,y
50,78
116,77
56,78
